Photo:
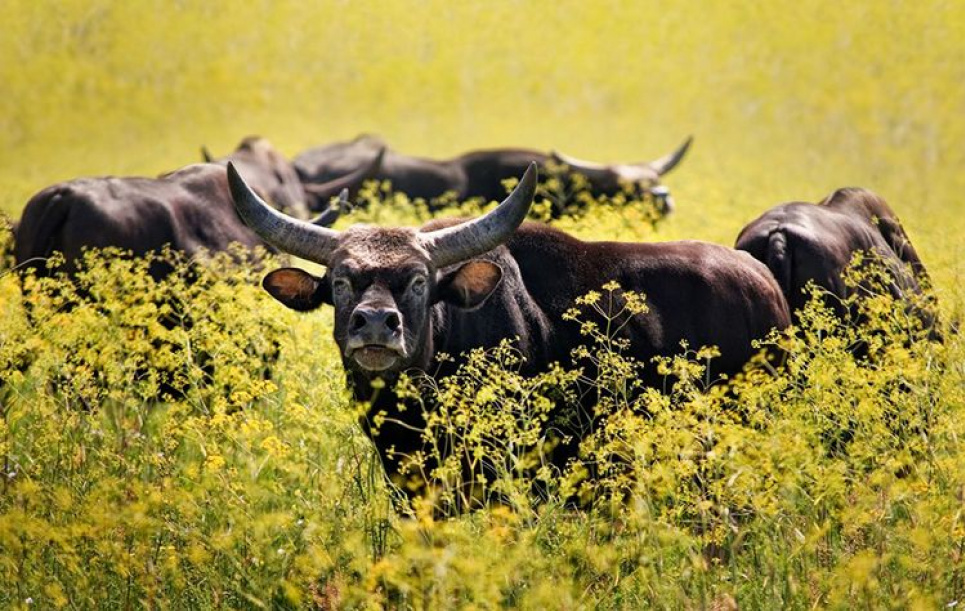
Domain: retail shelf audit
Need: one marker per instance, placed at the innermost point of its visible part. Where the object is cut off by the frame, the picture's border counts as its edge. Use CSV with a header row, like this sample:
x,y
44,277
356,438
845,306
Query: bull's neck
x,y
394,425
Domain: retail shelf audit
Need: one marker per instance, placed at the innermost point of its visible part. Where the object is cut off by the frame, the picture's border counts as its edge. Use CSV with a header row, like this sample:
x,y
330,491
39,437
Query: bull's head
x,y
275,179
319,194
383,282
642,178
271,174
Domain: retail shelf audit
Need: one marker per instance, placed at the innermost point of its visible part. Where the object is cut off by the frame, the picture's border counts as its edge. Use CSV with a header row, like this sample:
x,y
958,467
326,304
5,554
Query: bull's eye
x,y
418,286
341,288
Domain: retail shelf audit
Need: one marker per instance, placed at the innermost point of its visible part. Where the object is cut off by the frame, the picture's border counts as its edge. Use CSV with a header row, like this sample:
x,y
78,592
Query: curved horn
x,y
206,154
351,181
288,234
331,214
461,242
579,165
668,162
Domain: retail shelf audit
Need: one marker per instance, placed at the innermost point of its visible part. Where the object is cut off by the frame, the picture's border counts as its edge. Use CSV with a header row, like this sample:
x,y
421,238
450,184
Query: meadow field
x,y
839,483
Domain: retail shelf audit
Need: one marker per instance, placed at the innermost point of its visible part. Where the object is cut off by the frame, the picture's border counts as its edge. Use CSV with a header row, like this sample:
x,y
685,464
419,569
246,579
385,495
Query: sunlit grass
x,y
837,484
247,482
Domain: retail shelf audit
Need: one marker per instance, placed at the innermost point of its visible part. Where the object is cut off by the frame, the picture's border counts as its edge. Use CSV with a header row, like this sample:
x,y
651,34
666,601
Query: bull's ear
x,y
297,289
470,285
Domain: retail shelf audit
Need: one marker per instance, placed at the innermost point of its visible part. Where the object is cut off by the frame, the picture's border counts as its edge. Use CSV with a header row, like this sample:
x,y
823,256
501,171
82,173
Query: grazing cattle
x,y
802,242
275,178
481,173
272,175
402,295
190,209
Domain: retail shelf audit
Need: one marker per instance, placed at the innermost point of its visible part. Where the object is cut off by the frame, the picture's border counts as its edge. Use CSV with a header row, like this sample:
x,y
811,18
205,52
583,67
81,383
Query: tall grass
x,y
187,444
247,484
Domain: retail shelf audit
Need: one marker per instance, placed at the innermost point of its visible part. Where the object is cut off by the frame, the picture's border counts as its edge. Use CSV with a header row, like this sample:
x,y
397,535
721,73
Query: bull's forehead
x,y
366,247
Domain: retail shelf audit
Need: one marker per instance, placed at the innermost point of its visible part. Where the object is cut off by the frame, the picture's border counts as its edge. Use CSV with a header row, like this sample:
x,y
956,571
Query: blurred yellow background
x,y
787,100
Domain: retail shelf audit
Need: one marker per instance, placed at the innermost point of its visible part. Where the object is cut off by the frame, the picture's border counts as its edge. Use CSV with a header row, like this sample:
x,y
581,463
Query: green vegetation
x,y
249,484
838,483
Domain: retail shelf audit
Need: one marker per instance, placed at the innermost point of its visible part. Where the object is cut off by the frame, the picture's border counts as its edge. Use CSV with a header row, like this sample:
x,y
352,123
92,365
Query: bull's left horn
x,y
462,242
288,234
580,165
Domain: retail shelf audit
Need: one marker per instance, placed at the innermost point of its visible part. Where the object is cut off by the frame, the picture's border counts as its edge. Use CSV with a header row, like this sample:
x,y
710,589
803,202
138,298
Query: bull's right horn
x,y
467,240
288,234
206,155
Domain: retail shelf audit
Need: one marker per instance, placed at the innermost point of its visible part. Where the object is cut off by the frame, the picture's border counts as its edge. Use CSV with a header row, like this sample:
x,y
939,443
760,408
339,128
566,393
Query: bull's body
x,y
189,209
699,293
477,173
803,242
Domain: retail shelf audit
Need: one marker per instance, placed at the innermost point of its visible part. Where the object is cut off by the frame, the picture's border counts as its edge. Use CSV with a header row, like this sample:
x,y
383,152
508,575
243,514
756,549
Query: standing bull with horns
x,y
482,173
402,295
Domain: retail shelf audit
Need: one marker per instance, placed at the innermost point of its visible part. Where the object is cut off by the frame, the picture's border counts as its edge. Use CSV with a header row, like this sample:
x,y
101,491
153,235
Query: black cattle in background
x,y
801,242
481,173
189,209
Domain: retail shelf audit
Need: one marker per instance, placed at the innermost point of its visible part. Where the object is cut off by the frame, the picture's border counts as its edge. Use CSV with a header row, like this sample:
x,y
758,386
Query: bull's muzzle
x,y
375,337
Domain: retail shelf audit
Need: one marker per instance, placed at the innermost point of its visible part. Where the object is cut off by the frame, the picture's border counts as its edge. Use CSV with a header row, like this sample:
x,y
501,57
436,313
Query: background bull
x,y
276,179
403,295
802,242
481,173
189,209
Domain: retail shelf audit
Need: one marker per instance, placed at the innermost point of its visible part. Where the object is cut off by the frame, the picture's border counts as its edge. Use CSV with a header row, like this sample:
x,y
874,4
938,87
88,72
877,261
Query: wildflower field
x,y
190,443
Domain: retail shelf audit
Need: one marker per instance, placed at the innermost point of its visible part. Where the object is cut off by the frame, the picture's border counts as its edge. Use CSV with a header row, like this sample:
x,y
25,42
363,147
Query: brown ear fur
x,y
295,288
470,285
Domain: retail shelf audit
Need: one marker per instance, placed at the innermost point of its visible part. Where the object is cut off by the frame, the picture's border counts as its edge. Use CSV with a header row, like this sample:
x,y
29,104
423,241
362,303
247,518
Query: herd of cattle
x,y
401,295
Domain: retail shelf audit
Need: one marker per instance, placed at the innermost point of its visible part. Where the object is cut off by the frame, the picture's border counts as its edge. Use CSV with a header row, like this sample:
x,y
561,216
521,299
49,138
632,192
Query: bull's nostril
x,y
357,322
393,322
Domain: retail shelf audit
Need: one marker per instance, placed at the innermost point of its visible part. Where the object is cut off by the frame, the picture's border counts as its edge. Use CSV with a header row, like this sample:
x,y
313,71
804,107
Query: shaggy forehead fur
x,y
381,247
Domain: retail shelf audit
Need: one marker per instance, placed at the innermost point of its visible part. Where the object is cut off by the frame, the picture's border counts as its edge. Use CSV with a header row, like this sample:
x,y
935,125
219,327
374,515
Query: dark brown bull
x,y
189,209
402,295
481,173
802,242
276,179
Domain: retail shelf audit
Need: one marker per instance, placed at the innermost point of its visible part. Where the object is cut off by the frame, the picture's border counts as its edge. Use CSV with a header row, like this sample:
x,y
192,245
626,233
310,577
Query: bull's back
x,y
186,211
701,293
486,170
90,213
804,243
